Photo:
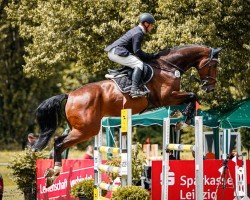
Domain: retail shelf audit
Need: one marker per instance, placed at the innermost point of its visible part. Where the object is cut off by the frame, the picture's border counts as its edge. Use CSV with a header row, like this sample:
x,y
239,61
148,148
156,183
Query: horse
x,y
84,108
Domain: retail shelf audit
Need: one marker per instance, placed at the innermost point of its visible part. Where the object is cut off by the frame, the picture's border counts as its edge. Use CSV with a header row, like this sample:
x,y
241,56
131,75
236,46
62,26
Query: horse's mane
x,y
167,50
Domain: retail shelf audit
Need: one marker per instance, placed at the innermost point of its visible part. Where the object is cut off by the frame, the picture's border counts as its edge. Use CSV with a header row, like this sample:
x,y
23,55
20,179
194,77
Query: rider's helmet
x,y
146,17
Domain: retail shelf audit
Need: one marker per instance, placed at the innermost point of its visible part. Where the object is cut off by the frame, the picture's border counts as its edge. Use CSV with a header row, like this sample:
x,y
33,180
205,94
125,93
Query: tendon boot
x,y
136,77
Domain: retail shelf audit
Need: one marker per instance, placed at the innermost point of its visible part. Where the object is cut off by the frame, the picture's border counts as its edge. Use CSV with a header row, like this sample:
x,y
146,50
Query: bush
x,y
130,193
138,162
115,162
84,188
23,171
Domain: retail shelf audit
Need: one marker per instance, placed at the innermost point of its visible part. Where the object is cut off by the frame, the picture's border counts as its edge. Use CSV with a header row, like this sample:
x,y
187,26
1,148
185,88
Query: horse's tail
x,y
48,115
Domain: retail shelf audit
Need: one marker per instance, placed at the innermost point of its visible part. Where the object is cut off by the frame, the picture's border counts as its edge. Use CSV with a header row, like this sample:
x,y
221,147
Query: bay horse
x,y
85,107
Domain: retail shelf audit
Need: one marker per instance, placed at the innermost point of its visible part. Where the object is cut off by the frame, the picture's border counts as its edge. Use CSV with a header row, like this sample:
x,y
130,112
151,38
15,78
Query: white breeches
x,y
129,61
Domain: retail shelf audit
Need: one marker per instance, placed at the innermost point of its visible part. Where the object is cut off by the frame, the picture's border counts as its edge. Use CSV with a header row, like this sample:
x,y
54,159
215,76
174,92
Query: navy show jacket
x,y
130,43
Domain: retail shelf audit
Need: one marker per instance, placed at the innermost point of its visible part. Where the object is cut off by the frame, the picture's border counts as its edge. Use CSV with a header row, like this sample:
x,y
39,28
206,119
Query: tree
x,y
77,32
64,40
19,95
245,134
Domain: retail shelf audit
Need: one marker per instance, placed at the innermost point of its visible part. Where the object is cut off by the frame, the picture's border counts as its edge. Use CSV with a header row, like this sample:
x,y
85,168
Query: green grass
x,y
11,192
10,188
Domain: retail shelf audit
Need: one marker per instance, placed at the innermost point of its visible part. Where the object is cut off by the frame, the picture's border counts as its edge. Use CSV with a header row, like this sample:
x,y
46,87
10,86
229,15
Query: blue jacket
x,y
130,43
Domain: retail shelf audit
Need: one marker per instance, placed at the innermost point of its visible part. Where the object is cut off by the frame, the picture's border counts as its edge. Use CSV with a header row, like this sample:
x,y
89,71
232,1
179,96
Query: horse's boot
x,y
136,77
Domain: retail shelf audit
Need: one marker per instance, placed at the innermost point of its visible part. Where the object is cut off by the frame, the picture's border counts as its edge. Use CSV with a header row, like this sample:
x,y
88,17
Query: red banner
x,y
181,179
182,182
72,171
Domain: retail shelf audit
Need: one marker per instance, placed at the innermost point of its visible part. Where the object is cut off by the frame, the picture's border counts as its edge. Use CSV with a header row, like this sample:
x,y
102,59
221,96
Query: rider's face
x,y
149,27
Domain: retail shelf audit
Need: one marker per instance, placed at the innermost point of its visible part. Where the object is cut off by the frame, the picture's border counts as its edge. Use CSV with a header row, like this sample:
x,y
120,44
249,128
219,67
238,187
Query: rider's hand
x,y
156,55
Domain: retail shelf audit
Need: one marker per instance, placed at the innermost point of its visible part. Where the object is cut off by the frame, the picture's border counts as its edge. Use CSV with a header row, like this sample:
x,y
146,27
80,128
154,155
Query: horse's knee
x,y
192,96
58,142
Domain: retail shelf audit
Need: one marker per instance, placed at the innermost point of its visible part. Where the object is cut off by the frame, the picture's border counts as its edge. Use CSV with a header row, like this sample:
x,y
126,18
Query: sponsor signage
x,y
182,180
72,172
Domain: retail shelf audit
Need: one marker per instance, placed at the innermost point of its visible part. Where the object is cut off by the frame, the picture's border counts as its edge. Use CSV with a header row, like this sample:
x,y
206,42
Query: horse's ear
x,y
216,52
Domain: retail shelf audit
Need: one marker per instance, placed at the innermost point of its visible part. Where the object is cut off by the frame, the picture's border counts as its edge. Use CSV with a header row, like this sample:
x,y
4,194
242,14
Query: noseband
x,y
211,58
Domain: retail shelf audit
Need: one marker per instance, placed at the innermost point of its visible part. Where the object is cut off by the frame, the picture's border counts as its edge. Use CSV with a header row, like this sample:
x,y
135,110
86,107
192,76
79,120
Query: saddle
x,y
123,77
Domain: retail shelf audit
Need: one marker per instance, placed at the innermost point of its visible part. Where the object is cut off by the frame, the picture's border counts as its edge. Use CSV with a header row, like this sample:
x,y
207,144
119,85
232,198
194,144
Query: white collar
x,y
142,28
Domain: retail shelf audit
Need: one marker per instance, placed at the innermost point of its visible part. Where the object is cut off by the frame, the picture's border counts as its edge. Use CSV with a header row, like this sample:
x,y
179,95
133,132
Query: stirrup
x,y
138,93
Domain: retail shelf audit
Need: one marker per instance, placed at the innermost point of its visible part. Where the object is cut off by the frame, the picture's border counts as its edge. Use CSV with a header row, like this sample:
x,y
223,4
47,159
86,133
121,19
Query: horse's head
x,y
203,58
207,69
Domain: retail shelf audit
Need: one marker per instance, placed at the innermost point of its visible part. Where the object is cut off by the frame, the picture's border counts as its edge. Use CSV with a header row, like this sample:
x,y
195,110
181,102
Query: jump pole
x,y
241,179
198,148
125,150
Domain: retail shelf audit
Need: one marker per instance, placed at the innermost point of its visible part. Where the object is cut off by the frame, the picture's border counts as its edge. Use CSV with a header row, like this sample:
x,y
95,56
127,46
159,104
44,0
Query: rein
x,y
211,58
168,70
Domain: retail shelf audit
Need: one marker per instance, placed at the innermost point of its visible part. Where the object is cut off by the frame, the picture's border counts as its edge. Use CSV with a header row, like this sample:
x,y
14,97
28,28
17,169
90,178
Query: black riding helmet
x,y
146,17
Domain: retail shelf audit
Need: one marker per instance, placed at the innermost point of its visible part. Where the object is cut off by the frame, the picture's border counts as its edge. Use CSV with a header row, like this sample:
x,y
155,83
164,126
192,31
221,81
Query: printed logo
x,y
171,178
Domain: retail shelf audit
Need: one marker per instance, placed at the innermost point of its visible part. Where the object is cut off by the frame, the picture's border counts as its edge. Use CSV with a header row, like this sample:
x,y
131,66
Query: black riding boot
x,y
136,77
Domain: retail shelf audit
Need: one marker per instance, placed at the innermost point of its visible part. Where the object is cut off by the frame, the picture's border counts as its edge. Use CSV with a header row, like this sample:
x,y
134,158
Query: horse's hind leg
x,y
52,174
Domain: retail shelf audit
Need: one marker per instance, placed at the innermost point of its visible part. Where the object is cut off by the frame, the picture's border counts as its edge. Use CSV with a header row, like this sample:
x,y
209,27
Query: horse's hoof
x,y
188,121
175,114
57,173
49,173
49,182
184,125
180,125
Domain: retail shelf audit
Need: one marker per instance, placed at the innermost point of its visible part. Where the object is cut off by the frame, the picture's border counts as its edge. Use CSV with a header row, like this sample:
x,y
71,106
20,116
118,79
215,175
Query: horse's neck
x,y
184,61
171,64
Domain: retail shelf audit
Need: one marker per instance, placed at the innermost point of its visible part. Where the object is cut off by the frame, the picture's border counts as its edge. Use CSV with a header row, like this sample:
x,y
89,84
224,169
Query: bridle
x,y
203,81
209,77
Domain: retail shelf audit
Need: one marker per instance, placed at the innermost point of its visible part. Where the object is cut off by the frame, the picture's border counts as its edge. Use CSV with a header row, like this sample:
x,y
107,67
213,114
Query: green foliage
x,y
138,163
63,42
84,188
187,135
115,162
245,138
153,132
19,95
23,166
130,193
77,32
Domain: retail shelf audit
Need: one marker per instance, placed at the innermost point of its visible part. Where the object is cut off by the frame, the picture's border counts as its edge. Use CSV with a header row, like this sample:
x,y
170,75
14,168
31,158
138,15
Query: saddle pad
x,y
124,83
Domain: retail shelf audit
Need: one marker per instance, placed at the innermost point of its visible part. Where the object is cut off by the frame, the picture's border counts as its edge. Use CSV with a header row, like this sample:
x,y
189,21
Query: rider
x,y
127,51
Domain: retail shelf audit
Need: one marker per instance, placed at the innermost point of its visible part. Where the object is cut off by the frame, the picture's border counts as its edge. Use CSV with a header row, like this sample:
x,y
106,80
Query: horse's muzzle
x,y
208,88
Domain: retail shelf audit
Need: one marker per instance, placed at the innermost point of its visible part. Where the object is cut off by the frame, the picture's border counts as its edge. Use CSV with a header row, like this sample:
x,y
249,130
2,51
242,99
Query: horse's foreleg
x,y
189,98
189,111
